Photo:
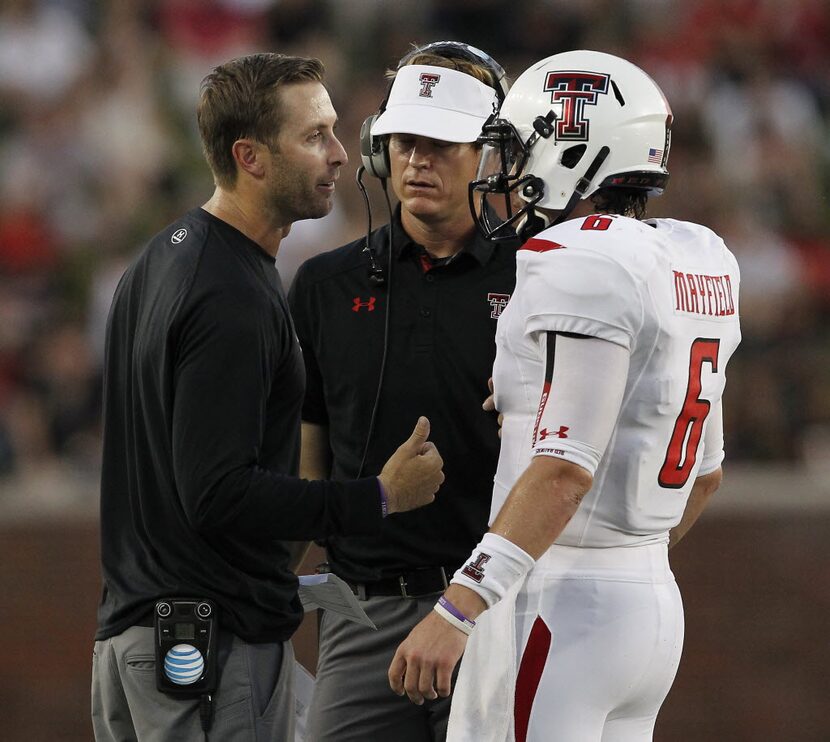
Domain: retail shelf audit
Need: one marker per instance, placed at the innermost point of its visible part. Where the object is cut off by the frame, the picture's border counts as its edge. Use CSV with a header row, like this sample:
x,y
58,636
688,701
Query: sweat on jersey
x,y
667,292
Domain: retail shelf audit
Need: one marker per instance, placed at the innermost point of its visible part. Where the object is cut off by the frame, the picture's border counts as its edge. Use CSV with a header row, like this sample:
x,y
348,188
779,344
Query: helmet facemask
x,y
571,125
504,155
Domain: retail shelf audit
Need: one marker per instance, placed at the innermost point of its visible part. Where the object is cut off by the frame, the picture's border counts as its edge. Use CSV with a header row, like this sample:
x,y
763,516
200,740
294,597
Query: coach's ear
x,y
248,155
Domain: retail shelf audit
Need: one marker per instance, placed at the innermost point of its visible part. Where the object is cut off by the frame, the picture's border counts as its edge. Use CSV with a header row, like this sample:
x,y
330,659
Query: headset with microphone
x,y
374,151
374,156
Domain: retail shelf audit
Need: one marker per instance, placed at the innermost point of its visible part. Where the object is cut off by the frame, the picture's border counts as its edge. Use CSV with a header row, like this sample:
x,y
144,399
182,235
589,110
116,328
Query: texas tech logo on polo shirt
x,y
498,302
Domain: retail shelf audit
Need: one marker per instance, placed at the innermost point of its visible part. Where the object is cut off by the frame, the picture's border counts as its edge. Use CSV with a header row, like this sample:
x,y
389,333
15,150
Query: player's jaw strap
x,y
583,184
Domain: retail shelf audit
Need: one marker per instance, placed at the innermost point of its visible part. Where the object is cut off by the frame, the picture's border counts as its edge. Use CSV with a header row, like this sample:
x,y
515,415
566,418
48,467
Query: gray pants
x,y
352,699
254,699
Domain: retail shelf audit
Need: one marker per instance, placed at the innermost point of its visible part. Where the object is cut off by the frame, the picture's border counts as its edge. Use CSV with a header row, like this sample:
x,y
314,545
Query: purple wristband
x,y
446,605
384,503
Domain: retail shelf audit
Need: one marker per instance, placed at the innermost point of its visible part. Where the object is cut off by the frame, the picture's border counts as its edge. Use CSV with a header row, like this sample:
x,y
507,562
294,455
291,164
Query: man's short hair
x,y
241,99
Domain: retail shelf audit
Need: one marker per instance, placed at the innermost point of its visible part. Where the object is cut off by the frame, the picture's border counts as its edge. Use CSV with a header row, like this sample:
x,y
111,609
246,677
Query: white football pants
x,y
596,641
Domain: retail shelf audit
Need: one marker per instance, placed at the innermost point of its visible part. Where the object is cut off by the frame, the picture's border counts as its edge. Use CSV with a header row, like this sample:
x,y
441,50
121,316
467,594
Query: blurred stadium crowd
x,y
99,150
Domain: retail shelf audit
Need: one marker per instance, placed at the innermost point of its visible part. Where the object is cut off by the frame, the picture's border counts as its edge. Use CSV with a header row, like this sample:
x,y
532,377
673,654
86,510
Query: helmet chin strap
x,y
534,221
531,223
582,185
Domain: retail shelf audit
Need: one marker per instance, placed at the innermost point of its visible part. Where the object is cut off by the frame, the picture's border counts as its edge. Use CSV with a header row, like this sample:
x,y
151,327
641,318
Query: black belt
x,y
414,584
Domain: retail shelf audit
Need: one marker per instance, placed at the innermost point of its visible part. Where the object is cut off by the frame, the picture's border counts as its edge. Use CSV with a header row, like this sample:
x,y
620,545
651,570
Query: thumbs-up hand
x,y
413,474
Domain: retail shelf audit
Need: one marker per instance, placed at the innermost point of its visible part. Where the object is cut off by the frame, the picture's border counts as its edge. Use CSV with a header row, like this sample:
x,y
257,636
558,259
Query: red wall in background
x,y
755,665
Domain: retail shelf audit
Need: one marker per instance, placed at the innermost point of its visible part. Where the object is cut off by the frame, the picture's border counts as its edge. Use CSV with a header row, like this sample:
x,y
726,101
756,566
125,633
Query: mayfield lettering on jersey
x,y
700,293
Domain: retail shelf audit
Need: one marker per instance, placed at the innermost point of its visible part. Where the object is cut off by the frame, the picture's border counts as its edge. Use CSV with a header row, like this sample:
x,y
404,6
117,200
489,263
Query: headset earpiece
x,y
373,150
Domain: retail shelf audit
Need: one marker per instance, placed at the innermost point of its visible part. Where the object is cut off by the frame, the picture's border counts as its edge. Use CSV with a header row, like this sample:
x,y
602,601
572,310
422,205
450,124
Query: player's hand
x,y
423,665
413,474
490,403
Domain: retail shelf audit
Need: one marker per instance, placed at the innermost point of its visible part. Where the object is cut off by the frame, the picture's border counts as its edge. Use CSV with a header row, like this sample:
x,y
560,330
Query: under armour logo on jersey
x,y
357,304
561,433
475,569
574,90
178,236
428,81
498,302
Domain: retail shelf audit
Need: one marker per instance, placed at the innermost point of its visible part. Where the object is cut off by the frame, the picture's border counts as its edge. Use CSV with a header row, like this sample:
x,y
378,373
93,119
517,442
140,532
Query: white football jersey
x,y
667,292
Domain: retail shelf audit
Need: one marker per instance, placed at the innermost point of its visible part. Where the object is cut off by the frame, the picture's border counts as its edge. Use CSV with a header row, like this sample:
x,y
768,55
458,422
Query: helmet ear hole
x,y
571,156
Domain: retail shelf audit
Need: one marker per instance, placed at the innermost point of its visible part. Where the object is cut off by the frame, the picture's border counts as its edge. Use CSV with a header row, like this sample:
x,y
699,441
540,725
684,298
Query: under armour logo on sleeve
x,y
561,433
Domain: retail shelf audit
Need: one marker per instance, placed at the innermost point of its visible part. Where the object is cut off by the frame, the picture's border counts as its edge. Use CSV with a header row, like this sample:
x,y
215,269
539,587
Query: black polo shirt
x,y
203,389
440,352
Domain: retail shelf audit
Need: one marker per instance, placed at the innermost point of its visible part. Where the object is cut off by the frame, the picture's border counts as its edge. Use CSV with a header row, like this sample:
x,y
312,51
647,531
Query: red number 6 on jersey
x,y
685,438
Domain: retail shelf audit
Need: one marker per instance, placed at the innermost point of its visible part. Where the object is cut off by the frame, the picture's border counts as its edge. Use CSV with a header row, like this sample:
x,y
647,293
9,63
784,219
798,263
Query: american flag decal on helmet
x,y
655,156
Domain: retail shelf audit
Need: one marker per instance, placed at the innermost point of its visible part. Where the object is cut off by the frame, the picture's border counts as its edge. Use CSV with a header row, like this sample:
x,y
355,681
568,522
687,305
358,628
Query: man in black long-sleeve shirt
x,y
204,383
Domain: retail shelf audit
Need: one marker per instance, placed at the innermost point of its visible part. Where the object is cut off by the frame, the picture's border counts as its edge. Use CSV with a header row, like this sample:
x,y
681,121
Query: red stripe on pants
x,y
530,672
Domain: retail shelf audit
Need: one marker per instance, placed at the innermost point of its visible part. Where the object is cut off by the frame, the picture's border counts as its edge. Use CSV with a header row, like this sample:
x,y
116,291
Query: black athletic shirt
x,y
440,354
204,382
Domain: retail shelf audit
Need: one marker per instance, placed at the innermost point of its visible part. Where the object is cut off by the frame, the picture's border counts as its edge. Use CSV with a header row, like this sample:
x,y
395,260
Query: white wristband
x,y
457,622
493,567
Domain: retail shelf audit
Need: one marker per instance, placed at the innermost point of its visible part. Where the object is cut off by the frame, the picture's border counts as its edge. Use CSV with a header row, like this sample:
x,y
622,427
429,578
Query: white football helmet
x,y
570,125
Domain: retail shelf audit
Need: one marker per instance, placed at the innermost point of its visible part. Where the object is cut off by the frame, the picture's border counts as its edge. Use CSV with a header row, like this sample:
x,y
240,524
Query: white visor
x,y
438,103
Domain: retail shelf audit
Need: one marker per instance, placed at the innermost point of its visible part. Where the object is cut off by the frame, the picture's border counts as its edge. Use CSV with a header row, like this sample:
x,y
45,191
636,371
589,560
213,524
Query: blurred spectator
x,y
767,135
766,421
98,148
199,34
44,49
62,378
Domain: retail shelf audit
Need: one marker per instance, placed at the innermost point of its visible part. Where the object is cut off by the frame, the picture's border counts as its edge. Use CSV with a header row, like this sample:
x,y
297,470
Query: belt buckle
x,y
403,585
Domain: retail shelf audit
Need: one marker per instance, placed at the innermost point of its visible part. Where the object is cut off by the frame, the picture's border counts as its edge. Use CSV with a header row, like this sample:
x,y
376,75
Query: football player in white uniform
x,y
609,373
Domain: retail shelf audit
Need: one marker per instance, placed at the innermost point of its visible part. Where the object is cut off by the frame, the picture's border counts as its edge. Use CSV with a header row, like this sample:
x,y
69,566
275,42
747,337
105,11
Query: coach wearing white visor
x,y
395,325
438,103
